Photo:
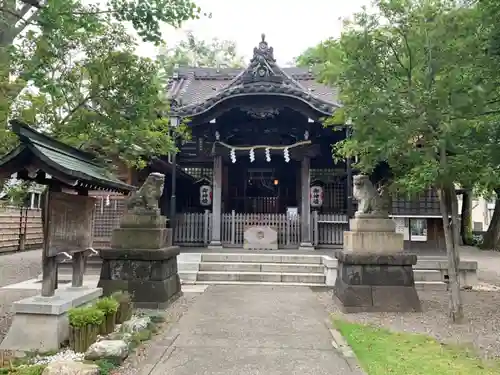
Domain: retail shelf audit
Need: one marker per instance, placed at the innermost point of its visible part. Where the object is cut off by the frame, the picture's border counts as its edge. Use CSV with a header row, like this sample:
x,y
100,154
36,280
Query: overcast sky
x,y
290,26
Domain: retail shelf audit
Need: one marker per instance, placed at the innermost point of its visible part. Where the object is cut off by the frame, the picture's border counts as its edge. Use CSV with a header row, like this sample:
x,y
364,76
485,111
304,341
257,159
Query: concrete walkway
x,y
250,330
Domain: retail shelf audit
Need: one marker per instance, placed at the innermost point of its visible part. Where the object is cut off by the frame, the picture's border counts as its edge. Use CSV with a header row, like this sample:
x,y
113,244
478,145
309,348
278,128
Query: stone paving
x,y
249,330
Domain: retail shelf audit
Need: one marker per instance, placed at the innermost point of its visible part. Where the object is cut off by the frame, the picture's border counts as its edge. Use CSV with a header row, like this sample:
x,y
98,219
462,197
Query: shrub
x,y
83,316
106,366
107,305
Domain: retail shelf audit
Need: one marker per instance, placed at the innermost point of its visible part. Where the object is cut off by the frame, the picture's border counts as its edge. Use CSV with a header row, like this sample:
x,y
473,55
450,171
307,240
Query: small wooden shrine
x,y
67,211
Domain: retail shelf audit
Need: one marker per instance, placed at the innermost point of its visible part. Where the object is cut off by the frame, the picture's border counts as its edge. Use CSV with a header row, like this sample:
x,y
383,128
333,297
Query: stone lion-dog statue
x,y
145,200
371,203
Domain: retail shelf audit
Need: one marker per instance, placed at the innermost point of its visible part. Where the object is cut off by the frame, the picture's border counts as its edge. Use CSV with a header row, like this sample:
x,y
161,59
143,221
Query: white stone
x,y
136,324
260,238
65,355
330,265
71,368
117,349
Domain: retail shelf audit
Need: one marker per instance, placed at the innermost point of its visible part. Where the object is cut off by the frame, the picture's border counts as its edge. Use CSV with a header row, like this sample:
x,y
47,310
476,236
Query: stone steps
x,y
419,285
427,275
426,272
261,267
289,269
274,277
273,269
261,258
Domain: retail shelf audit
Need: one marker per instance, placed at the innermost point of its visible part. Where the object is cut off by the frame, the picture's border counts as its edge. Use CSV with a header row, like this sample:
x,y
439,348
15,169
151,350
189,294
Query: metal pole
x,y
173,202
350,208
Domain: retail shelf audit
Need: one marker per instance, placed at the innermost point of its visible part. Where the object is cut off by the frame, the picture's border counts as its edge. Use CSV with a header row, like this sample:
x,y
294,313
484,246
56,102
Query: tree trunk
x,y
453,207
491,239
456,313
466,217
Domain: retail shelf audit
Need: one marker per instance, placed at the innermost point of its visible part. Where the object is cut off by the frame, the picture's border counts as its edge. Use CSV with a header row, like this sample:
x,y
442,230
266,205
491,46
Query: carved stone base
x,y
145,220
141,238
150,276
376,283
372,235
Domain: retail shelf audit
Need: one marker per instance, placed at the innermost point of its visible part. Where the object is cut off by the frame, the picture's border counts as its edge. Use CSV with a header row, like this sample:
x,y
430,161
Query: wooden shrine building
x,y
260,155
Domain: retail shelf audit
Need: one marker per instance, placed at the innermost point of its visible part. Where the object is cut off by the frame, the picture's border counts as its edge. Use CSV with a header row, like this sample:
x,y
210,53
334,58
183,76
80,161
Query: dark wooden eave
x,y
39,153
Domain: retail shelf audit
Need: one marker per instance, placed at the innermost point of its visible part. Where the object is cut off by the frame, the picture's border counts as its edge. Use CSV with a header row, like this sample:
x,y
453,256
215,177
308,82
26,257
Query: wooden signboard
x,y
70,223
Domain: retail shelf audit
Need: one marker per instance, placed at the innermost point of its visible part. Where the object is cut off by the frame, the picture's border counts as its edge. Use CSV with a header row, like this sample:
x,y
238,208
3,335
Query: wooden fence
x,y
20,229
328,229
195,229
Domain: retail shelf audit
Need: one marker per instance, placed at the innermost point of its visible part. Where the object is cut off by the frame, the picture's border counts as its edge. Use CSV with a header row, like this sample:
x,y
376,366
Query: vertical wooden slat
x,y
233,227
206,219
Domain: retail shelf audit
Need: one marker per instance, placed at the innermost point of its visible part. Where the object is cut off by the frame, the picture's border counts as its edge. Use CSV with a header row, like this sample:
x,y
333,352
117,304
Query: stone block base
x,y
363,224
150,276
376,283
141,238
152,220
373,242
41,323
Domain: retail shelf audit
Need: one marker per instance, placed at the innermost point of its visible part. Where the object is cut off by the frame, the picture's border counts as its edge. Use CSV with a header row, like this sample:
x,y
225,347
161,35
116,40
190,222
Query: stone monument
x,y
374,274
141,259
262,237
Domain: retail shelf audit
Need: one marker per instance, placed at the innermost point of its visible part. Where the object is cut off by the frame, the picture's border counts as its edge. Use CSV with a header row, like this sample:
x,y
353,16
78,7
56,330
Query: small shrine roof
x,y
70,165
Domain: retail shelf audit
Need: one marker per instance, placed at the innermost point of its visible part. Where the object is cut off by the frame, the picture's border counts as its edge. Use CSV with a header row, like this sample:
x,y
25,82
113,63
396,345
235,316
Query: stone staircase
x,y
286,269
275,269
237,268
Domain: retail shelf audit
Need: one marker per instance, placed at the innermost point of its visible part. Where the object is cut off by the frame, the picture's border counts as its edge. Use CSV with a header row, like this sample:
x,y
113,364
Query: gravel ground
x,y
481,327
14,268
174,312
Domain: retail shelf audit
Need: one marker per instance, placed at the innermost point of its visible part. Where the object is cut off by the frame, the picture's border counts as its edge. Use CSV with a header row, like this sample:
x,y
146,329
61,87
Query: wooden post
x,y
315,227
49,263
216,204
78,263
305,179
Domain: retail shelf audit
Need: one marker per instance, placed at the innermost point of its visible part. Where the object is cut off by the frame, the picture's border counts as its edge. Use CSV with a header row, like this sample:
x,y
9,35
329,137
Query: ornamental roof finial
x,y
263,50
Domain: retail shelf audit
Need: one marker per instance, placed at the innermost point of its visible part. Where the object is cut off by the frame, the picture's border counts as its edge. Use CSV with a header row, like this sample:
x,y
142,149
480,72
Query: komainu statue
x,y
145,200
371,203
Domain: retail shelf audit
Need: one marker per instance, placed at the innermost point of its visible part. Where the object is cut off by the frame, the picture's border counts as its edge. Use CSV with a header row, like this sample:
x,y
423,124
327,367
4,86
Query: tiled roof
x,y
196,90
68,162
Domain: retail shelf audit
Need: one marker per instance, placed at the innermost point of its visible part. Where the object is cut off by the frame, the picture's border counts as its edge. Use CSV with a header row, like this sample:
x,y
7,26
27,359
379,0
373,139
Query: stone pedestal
x,y
142,261
41,323
373,272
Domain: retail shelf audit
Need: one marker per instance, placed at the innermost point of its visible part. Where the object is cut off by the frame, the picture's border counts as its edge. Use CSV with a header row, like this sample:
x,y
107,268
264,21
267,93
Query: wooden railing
x,y
195,229
233,227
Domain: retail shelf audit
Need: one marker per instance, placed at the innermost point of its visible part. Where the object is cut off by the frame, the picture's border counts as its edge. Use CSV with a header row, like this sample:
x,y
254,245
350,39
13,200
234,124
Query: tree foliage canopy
x,y
199,53
69,67
417,81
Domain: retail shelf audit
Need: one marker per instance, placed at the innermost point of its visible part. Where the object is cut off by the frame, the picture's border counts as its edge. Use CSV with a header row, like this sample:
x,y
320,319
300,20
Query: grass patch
x,y
382,352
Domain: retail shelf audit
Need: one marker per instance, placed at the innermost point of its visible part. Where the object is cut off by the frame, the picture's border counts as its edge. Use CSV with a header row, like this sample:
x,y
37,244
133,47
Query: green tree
x,y
416,82
324,58
199,53
53,24
93,92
